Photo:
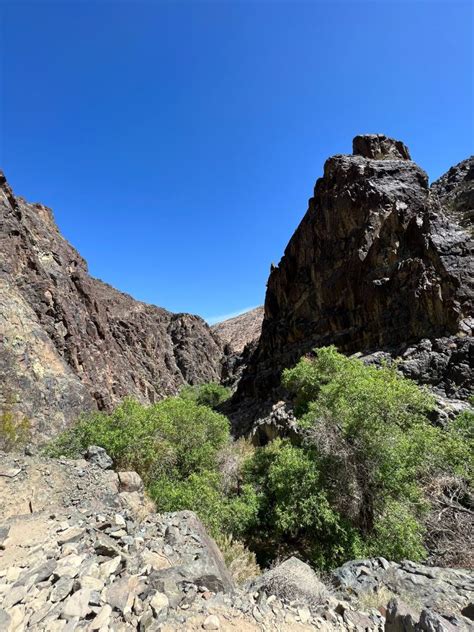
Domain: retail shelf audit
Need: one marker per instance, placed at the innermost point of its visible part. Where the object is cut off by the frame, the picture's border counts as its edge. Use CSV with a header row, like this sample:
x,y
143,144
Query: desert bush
x,y
173,438
294,512
359,483
355,486
176,447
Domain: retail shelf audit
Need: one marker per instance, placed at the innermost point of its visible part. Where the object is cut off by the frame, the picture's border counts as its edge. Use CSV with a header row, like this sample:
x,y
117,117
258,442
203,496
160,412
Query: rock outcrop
x,y
377,263
69,342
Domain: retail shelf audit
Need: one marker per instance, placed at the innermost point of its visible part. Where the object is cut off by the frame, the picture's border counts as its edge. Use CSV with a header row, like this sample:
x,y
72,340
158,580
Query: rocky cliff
x,y
380,261
69,342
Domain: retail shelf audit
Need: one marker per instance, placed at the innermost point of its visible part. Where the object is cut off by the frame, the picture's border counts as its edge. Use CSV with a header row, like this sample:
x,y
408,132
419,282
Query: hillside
x,y
69,342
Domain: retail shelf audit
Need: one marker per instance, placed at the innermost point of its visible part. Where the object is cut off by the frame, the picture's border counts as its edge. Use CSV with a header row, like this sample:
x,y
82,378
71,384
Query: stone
x,y
11,472
211,622
159,602
61,589
17,618
93,583
304,614
98,456
121,594
111,567
14,596
70,535
130,482
4,619
77,605
68,566
106,546
157,561
102,618
292,580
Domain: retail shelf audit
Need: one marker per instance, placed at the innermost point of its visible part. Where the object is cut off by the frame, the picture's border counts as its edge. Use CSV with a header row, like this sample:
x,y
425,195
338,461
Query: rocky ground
x,y
82,549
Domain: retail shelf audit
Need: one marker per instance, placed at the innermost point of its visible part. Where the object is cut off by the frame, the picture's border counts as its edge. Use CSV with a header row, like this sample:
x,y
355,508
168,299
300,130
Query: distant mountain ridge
x,y
240,330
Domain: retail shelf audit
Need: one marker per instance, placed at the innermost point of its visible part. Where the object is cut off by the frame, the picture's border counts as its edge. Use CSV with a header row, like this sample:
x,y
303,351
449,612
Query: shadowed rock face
x,y
69,342
375,264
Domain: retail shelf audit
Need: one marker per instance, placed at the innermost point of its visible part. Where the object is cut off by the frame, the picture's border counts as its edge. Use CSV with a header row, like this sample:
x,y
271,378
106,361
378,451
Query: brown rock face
x,y
69,342
240,331
374,264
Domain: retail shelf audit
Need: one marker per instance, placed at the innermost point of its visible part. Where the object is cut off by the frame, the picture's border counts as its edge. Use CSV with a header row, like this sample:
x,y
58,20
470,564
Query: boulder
x,y
293,580
98,456
130,482
400,617
444,591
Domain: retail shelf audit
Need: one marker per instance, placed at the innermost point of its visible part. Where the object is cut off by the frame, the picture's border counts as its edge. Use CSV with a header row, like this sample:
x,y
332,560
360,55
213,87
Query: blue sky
x,y
178,142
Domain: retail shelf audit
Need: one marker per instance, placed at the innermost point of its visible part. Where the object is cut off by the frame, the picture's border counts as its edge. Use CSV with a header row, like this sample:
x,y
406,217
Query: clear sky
x,y
178,142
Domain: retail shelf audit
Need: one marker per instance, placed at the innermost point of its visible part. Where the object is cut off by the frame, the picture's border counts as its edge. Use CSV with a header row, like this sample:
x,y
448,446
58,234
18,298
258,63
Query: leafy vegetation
x,y
210,394
354,485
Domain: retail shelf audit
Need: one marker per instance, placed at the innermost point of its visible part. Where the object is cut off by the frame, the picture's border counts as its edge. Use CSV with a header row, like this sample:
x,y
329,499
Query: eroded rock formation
x,y
69,342
378,262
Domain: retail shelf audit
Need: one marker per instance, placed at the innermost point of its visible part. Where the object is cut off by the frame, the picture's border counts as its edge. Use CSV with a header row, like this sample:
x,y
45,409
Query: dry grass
x,y
241,562
231,459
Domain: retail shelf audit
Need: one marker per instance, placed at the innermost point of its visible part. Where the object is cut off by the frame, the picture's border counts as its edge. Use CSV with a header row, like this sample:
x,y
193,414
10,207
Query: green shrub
x,y
294,511
173,438
211,394
371,446
356,485
175,446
